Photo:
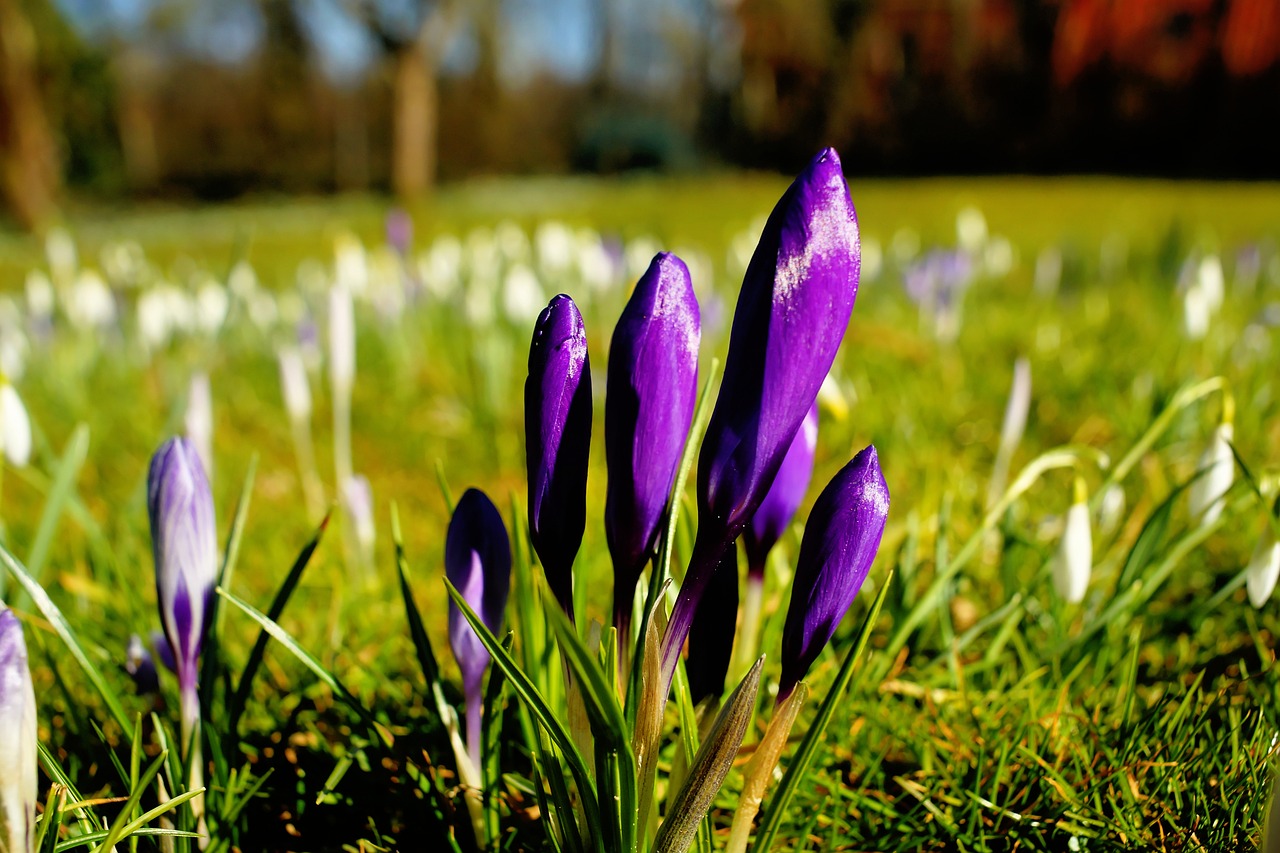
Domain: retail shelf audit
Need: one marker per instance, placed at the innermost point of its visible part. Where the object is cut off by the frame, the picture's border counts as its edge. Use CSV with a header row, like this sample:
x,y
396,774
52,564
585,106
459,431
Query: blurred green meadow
x,y
1000,718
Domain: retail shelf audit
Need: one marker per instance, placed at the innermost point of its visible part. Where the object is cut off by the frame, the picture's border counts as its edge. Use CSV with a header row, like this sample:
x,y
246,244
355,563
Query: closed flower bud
x,y
294,384
184,543
1206,496
653,383
557,423
17,739
840,542
1264,568
791,316
141,667
477,561
783,498
342,338
15,427
199,419
1074,561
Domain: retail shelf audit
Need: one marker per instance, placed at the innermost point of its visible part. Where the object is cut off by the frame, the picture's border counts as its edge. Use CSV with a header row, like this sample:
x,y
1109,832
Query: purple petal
x,y
712,633
791,316
557,418
184,544
477,561
840,542
653,384
784,497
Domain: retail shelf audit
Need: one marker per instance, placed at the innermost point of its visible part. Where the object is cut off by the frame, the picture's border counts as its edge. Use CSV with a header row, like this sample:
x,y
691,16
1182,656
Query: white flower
x,y
1195,313
294,384
1015,411
1212,281
91,304
242,281
60,249
342,337
212,303
1264,568
522,297
17,739
1048,271
39,295
15,427
1074,560
554,242
971,229
199,419
1206,495
1111,511
351,267
998,257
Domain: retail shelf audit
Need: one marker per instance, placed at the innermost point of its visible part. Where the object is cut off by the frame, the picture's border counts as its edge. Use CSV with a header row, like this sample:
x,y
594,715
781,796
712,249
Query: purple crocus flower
x,y
184,543
17,739
399,231
712,632
141,667
792,312
840,541
783,498
557,425
653,383
477,561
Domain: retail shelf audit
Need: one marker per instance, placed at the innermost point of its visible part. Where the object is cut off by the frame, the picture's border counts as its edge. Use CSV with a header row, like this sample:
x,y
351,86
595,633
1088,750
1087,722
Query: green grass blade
x,y
285,639
528,692
282,596
63,489
777,806
62,628
117,830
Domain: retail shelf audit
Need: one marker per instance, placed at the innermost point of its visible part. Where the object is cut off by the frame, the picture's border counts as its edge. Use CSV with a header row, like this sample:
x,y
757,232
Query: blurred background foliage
x,y
197,100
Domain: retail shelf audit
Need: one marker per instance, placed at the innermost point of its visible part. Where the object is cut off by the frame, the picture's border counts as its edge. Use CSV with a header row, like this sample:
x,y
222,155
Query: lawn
x,y
988,713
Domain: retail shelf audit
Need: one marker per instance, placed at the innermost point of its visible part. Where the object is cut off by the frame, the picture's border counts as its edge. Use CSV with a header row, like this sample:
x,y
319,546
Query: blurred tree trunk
x,y
29,168
415,105
135,119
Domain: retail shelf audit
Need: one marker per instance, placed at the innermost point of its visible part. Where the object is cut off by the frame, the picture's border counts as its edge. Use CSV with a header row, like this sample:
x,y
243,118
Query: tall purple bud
x,y
17,739
557,428
477,561
653,384
783,498
840,542
184,543
792,312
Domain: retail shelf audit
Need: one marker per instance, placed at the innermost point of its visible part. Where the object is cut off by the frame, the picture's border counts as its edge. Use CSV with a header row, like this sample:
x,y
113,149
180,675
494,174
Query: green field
x,y
989,714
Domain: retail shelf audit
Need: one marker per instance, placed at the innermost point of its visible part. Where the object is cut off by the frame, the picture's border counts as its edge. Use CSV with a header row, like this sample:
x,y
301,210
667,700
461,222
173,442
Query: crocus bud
x,y
1264,567
17,739
653,383
477,561
357,498
141,667
1206,496
199,418
792,312
1074,561
783,498
184,544
294,384
557,424
342,338
712,633
399,231
15,427
840,542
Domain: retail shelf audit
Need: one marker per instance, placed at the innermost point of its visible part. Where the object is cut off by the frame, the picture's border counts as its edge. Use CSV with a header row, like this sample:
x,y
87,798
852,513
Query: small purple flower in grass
x,y
141,667
653,383
399,231
783,498
184,543
792,312
557,424
17,739
477,561
840,542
